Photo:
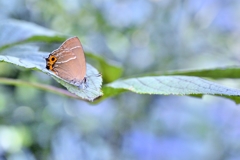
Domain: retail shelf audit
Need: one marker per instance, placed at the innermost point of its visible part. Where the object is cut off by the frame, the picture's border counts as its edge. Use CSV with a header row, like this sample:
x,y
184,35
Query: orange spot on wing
x,y
50,61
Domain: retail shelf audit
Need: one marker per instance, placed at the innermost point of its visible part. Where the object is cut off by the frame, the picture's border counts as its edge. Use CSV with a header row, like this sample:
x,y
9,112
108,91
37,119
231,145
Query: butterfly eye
x,y
53,58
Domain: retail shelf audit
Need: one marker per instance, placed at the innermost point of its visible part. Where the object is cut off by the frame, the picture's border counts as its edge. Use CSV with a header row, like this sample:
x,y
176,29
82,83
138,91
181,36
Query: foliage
x,y
165,85
167,69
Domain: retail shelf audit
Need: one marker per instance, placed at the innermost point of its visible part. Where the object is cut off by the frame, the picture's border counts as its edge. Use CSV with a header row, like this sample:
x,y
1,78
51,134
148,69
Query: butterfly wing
x,y
70,64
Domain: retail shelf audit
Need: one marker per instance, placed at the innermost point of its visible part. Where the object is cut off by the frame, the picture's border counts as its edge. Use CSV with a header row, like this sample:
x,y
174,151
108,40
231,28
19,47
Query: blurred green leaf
x,y
215,73
109,70
22,32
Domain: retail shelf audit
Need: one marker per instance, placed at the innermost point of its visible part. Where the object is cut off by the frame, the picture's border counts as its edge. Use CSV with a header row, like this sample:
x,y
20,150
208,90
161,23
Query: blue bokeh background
x,y
142,36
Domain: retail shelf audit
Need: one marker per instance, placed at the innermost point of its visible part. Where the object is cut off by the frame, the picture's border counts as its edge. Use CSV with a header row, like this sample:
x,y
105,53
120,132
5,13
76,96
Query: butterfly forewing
x,y
70,64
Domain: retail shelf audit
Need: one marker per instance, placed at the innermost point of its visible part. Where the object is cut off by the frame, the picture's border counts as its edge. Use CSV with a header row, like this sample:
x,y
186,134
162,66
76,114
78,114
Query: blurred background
x,y
142,36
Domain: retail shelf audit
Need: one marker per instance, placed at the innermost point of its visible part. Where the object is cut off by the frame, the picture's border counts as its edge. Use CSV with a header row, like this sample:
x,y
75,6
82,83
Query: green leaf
x,y
174,85
110,70
215,73
29,57
21,32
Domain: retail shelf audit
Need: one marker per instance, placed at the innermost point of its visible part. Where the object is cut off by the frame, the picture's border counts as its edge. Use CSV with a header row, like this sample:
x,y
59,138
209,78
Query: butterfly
x,y
68,63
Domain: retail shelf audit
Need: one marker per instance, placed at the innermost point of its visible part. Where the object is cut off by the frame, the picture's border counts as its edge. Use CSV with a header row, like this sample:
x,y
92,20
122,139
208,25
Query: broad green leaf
x,y
215,73
30,57
173,85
